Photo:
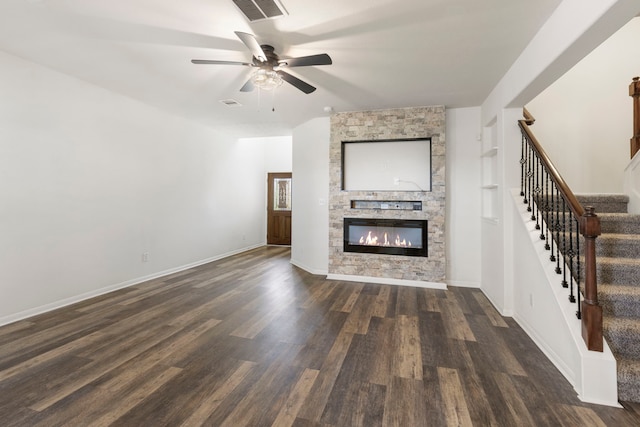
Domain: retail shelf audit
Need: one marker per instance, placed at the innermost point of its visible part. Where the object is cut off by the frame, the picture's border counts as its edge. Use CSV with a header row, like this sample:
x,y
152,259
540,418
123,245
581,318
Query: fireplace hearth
x,y
386,236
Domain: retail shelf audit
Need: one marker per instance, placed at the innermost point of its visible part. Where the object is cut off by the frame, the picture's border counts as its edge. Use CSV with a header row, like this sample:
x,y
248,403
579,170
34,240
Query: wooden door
x,y
279,208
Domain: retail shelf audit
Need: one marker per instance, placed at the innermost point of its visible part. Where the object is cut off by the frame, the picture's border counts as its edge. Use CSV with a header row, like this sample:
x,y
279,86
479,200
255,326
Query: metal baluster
x,y
558,228
565,284
522,162
545,232
578,272
545,207
572,297
529,175
554,221
536,192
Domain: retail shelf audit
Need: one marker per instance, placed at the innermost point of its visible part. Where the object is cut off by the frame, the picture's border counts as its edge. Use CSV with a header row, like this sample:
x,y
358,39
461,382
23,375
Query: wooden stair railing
x,y
562,219
634,92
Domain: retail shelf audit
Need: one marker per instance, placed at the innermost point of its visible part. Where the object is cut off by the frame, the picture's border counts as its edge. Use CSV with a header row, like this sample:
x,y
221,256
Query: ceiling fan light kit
x,y
266,79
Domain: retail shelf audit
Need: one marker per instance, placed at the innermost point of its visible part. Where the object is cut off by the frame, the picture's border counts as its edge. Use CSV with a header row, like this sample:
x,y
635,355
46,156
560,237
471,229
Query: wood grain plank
x,y
455,322
404,403
346,305
136,397
296,398
494,347
360,315
407,360
315,404
47,356
407,301
455,405
369,407
493,315
428,300
382,334
515,403
210,403
256,323
264,399
381,305
480,410
319,293
90,372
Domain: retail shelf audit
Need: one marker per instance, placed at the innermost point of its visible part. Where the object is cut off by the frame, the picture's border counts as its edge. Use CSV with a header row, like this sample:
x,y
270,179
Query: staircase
x,y
618,267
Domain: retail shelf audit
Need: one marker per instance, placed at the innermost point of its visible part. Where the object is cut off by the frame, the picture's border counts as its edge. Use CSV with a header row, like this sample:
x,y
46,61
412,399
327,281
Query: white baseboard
x,y
308,269
105,290
463,284
388,281
505,313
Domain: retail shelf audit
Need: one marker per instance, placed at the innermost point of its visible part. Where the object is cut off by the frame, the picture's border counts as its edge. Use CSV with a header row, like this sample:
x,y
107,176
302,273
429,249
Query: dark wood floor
x,y
253,341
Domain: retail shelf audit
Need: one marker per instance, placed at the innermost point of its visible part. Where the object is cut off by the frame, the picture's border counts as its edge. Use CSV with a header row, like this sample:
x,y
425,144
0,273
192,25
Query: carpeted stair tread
x,y
604,202
618,245
628,379
623,336
619,223
619,300
619,261
618,271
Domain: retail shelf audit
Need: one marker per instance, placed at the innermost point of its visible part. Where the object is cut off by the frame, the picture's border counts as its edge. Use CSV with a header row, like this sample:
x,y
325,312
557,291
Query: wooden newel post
x,y
591,309
634,91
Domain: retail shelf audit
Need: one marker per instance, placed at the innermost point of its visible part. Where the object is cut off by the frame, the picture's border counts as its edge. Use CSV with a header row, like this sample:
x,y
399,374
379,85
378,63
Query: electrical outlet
x,y
145,257
396,181
531,300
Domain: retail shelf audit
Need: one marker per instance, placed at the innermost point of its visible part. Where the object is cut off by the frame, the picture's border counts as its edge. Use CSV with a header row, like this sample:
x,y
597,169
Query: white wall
x,y
463,208
90,180
584,119
574,29
310,195
278,155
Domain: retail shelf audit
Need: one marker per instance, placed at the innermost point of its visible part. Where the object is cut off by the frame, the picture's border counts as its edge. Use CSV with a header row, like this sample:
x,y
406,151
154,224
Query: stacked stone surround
x,y
405,123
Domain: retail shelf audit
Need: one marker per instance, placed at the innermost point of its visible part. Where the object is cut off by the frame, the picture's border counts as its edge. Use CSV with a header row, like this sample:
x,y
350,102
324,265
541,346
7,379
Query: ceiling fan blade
x,y
303,61
213,61
247,87
303,86
250,41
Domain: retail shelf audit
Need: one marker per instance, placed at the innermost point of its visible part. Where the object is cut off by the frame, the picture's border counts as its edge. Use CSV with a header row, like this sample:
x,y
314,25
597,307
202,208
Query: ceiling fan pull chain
x,y
273,100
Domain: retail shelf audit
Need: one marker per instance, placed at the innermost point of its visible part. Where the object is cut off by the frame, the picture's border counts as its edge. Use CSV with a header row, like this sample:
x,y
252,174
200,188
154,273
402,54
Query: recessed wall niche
x,y
422,123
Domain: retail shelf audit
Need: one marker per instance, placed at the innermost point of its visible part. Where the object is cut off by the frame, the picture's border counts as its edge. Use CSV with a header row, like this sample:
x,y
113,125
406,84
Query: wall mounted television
x,y
387,165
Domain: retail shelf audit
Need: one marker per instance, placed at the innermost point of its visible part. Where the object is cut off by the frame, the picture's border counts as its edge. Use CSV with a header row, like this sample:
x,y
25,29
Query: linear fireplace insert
x,y
386,236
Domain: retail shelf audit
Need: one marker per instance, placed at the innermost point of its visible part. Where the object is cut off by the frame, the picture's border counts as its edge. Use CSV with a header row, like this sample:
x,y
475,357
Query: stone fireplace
x,y
350,258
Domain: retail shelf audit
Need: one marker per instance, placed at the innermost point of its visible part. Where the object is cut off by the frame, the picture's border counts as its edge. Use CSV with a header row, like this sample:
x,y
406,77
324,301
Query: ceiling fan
x,y
269,73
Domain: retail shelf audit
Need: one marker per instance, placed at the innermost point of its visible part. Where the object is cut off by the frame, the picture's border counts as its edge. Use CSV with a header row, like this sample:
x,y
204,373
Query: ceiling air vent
x,y
231,103
256,10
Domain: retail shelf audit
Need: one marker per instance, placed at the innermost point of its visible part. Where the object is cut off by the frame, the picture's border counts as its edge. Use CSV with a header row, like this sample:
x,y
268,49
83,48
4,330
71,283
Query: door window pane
x,y
282,194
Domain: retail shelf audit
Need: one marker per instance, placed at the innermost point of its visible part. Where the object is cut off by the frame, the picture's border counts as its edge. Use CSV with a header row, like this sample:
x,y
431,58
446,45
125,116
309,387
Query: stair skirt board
x,y
618,275
558,332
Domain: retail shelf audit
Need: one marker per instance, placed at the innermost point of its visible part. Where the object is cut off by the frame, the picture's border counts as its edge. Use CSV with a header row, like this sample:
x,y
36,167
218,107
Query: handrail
x,y
539,170
634,92
528,117
574,204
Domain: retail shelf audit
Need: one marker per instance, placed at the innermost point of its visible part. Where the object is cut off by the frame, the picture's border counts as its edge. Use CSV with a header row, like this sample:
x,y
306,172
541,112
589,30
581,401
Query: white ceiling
x,y
386,53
